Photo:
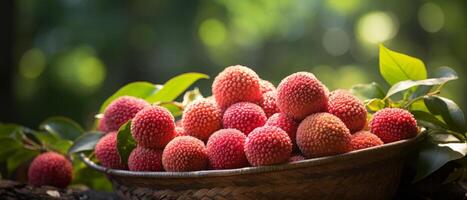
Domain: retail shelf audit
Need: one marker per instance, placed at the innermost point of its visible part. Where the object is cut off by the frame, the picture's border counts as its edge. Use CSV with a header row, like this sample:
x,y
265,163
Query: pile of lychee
x,y
248,122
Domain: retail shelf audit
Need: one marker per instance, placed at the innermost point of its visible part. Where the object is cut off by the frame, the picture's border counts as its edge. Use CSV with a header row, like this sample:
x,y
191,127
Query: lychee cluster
x,y
248,122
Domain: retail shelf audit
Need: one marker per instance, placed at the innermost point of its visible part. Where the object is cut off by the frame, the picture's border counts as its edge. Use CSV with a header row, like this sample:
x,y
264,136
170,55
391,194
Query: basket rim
x,y
253,170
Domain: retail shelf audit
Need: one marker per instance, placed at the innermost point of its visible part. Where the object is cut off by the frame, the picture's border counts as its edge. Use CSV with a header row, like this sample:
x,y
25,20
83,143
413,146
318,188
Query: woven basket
x,y
372,173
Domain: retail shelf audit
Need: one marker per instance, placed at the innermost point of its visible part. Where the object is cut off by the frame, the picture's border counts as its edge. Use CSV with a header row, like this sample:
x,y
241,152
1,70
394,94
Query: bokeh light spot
x,y
336,41
32,63
91,72
431,17
212,32
376,27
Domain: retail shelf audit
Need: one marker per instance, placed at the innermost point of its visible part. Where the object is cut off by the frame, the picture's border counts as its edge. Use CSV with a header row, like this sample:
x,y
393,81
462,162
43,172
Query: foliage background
x,y
69,56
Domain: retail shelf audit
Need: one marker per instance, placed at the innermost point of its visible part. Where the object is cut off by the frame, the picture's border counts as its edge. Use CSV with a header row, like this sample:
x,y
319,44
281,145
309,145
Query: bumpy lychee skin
x,y
225,149
323,134
393,124
102,126
266,86
267,145
236,84
107,153
179,131
184,153
244,116
301,94
202,118
268,103
153,127
296,158
284,122
348,108
144,159
121,110
50,168
365,139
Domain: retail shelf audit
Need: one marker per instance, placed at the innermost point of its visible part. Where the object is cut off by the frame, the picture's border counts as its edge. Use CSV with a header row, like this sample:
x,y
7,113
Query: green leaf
x,y
135,89
368,91
54,142
62,127
449,111
8,146
125,142
85,142
175,110
375,104
175,86
18,157
404,85
433,156
428,118
9,130
396,67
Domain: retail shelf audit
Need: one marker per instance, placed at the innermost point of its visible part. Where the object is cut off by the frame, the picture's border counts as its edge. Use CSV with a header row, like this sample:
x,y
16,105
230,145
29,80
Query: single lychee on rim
x,y
244,116
393,124
121,110
153,127
51,169
225,149
236,84
267,145
184,153
107,153
364,139
201,118
323,134
144,159
301,94
348,108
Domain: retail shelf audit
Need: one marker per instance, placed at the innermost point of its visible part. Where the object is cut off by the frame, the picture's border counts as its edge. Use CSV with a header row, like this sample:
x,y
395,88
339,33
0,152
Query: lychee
x,y
323,134
179,131
284,122
153,127
184,153
348,108
301,94
244,116
50,168
236,84
266,86
267,145
121,110
268,103
393,124
225,149
102,126
144,159
296,158
364,139
201,118
107,153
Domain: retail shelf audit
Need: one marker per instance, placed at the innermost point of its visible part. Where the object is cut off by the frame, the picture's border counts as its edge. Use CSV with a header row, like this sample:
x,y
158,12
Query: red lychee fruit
x,y
184,153
267,145
225,149
348,108
393,124
244,116
153,127
144,159
102,126
179,131
268,103
121,110
107,153
266,86
296,158
300,95
284,122
50,168
323,134
201,118
236,84
365,139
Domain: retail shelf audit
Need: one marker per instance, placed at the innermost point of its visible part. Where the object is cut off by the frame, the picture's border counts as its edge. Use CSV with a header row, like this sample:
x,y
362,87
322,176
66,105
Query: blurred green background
x,y
68,56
